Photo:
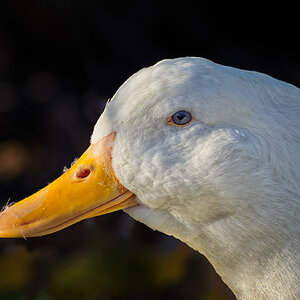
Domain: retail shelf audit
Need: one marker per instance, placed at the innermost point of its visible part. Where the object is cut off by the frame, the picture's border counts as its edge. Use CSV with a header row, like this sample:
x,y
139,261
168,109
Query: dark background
x,y
59,63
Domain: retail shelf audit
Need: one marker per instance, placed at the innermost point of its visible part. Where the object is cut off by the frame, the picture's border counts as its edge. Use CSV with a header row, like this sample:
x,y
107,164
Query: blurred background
x,y
60,60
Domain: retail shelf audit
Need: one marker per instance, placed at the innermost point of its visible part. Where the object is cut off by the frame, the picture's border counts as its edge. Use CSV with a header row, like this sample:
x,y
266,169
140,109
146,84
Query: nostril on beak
x,y
83,173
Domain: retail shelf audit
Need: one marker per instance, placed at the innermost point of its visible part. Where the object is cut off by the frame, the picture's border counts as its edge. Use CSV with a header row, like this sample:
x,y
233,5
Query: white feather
x,y
228,183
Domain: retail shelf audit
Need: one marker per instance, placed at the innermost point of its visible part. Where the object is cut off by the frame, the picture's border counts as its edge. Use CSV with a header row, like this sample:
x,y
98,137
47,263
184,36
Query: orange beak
x,y
88,189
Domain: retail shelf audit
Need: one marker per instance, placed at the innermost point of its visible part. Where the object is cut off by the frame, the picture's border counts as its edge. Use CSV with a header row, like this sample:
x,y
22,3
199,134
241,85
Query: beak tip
x,y
9,224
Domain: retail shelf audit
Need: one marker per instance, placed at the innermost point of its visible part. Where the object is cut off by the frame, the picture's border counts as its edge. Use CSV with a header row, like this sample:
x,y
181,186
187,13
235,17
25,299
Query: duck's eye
x,y
83,173
180,118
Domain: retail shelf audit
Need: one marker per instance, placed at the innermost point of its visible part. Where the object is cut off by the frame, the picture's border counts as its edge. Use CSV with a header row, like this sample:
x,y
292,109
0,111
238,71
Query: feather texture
x,y
228,183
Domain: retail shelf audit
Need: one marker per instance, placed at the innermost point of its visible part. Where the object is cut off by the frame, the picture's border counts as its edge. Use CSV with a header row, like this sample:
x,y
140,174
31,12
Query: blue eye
x,y
181,117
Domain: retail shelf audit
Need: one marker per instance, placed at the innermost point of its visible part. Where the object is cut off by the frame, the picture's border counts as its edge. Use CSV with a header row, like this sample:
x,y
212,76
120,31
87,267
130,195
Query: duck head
x,y
197,150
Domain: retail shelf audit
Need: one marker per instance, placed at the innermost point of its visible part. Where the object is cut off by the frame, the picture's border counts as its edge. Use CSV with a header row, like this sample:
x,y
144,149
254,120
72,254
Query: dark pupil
x,y
180,116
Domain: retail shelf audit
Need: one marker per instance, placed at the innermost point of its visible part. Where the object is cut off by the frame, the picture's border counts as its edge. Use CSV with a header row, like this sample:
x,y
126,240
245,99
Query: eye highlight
x,y
180,118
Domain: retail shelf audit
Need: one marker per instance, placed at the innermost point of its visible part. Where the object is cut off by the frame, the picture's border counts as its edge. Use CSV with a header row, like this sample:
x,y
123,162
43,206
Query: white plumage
x,y
228,183
203,152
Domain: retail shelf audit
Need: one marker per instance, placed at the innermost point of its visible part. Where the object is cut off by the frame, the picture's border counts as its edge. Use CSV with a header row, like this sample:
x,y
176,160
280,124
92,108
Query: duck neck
x,y
257,258
256,254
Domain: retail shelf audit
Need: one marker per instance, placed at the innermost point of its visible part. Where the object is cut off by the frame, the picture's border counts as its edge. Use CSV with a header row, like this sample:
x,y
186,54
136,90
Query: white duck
x,y
206,153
